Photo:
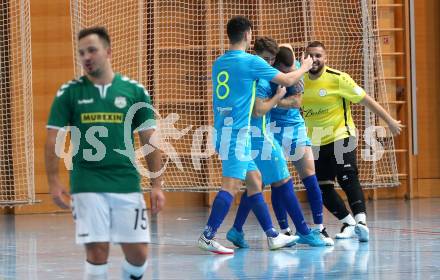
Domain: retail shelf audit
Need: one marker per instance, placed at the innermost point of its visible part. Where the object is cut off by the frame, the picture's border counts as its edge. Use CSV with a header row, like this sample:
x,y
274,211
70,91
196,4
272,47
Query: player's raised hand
x,y
395,126
306,62
157,199
281,92
59,195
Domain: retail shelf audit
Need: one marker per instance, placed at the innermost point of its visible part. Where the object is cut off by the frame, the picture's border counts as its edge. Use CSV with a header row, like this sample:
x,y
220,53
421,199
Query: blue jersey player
x,y
272,164
292,136
234,77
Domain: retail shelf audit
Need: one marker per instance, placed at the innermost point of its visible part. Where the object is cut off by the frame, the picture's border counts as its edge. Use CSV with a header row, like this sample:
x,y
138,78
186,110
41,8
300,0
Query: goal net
x,y
169,46
16,120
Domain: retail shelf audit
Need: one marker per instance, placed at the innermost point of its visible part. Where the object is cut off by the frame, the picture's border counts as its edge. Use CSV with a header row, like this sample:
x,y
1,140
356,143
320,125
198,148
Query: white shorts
x,y
110,217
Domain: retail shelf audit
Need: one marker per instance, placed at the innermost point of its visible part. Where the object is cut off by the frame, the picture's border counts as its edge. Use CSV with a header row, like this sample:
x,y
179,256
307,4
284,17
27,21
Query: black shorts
x,y
331,161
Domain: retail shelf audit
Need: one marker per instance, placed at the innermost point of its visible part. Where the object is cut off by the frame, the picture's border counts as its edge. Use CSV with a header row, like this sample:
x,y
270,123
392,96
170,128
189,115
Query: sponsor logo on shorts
x,y
83,234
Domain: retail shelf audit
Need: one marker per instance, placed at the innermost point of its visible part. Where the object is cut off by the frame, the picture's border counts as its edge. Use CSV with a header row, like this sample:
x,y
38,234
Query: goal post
x,y
16,119
169,46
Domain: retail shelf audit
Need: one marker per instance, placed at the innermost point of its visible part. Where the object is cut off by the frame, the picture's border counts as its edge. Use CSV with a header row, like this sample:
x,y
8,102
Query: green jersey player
x,y
102,109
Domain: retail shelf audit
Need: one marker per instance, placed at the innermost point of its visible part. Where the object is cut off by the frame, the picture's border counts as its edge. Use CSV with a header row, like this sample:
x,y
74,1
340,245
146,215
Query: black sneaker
x,y
328,241
347,231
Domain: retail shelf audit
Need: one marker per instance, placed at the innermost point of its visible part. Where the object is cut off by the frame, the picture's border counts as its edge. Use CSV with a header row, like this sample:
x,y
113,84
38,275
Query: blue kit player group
x,y
234,78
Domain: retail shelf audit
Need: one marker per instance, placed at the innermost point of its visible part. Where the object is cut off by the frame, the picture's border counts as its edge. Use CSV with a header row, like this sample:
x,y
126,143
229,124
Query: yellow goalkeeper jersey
x,y
326,106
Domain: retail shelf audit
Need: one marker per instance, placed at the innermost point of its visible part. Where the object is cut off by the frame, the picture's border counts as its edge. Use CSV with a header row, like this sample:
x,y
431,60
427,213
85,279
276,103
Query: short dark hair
x,y
266,43
285,57
98,30
316,44
236,28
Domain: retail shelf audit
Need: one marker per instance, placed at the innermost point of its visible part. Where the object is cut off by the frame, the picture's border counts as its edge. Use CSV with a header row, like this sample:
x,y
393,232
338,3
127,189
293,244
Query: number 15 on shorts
x,y
140,219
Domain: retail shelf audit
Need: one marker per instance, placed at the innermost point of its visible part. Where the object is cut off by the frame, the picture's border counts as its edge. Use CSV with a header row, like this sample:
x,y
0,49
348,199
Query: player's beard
x,y
317,70
95,73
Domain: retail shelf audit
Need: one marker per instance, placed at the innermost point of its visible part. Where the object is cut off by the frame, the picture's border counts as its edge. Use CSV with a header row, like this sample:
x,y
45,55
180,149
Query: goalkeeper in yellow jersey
x,y
326,108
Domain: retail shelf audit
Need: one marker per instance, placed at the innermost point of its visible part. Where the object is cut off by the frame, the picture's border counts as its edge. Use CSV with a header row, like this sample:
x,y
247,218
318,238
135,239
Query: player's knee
x,y
253,187
97,253
140,258
135,253
231,185
306,172
346,172
348,178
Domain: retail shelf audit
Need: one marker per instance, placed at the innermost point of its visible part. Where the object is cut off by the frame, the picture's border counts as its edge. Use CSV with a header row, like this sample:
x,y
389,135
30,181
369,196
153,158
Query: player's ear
x,y
248,35
109,52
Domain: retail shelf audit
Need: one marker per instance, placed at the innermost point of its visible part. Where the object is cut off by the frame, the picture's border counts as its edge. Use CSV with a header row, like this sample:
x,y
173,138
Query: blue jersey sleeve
x,y
263,89
261,70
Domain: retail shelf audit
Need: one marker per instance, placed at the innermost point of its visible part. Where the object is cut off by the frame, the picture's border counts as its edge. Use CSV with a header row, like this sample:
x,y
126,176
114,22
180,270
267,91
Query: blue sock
x,y
242,213
261,211
293,208
314,196
278,208
220,208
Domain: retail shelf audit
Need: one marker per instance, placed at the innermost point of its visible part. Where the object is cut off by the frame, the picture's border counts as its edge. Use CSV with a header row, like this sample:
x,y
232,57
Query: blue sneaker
x,y
237,238
313,239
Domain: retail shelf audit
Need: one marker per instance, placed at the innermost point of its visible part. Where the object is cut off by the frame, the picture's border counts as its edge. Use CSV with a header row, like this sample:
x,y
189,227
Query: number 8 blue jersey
x,y
234,76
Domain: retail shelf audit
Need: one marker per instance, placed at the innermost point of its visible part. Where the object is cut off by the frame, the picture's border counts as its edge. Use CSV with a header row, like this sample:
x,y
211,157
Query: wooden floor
x,y
405,244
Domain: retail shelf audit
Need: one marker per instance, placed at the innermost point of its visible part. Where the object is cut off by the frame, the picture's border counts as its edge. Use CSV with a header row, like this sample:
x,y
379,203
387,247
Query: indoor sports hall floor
x,y
405,244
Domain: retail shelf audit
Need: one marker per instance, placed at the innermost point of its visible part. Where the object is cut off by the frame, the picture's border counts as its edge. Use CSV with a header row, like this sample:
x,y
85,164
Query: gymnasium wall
x,y
427,163
52,66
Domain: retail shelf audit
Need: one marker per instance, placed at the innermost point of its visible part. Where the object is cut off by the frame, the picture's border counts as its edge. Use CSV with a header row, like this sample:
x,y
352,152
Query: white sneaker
x,y
327,239
347,231
281,241
362,232
213,246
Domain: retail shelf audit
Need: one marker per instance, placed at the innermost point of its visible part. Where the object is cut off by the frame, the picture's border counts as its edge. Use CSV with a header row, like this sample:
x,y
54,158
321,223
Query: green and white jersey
x,y
97,113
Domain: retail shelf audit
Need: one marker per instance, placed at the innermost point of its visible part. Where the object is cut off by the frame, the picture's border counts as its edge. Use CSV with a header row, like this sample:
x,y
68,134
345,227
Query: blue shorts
x,y
291,137
270,160
234,149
